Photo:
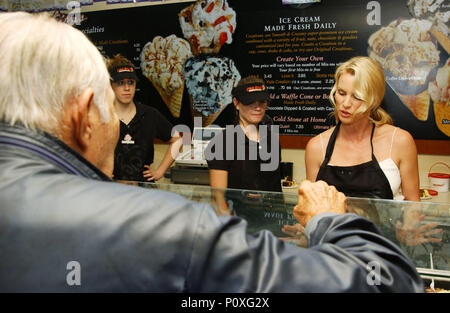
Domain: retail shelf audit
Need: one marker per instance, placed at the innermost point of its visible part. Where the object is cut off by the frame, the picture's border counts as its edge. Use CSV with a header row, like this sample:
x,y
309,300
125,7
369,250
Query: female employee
x,y
364,155
236,171
139,125
250,99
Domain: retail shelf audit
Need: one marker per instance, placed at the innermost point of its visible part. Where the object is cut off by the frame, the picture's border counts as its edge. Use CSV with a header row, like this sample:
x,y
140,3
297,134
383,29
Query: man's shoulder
x,y
119,198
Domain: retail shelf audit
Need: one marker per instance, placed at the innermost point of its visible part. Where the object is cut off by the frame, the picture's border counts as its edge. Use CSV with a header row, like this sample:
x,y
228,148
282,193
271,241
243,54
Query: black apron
x,y
365,180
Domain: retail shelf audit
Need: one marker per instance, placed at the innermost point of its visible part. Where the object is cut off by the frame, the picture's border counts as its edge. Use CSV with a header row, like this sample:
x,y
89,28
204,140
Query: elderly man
x,y
66,227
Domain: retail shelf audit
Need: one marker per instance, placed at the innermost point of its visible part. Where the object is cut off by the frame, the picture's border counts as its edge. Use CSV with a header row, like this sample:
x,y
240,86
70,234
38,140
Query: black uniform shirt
x,y
247,173
135,146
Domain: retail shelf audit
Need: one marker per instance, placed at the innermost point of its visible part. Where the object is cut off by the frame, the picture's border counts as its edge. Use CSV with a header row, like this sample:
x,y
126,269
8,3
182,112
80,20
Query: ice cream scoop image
x,y
209,80
208,25
405,48
408,54
162,63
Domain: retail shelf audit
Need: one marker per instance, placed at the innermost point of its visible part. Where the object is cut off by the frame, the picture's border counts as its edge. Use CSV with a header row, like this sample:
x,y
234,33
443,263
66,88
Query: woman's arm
x,y
406,152
218,179
170,156
313,158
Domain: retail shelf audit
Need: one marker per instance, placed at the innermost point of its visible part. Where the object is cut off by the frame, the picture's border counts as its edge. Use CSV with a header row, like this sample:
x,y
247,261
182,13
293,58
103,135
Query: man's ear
x,y
80,118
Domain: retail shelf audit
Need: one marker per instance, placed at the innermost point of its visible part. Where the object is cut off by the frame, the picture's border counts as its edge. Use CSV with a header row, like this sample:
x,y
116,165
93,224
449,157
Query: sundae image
x,y
439,92
209,81
162,63
208,25
405,49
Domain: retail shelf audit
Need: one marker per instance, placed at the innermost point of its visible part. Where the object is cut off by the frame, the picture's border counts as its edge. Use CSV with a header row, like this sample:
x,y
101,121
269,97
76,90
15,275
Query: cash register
x,y
190,165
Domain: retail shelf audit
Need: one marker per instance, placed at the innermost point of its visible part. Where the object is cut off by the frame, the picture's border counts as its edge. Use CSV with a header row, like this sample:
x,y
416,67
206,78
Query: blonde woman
x,y
364,155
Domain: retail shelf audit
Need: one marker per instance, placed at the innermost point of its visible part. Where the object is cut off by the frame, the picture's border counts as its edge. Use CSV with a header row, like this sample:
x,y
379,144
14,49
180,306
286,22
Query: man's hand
x,y
316,198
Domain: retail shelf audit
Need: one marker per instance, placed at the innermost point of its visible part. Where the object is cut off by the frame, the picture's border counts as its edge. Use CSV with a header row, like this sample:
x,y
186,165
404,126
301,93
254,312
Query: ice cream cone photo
x,y
209,81
162,63
197,107
442,39
418,104
172,100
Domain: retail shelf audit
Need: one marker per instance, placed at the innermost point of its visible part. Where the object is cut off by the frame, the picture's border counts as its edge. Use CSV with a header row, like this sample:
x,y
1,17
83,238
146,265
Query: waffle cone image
x,y
173,101
418,104
442,116
162,62
209,82
206,119
442,38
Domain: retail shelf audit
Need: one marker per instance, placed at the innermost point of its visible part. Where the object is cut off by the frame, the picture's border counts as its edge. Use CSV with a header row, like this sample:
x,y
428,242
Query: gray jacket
x,y
65,227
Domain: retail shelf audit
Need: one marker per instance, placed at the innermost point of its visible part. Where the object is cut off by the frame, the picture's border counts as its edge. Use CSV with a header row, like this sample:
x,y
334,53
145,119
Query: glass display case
x,y
421,229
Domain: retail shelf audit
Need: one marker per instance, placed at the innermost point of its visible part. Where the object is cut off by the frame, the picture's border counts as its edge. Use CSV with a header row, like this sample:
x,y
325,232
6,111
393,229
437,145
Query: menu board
x,y
296,49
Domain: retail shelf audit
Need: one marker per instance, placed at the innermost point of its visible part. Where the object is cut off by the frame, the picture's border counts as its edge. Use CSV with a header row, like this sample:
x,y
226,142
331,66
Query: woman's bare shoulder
x,y
400,135
386,129
322,139
404,143
404,137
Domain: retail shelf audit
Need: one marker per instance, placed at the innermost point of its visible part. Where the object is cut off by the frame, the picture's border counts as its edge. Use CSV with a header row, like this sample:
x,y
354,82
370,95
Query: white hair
x,y
43,65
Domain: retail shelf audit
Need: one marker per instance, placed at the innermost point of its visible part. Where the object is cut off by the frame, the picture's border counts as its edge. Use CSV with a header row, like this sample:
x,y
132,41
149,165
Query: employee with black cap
x,y
139,125
250,99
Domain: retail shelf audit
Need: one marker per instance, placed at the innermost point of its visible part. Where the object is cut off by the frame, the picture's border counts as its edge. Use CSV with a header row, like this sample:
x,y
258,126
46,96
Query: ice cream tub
x,y
439,181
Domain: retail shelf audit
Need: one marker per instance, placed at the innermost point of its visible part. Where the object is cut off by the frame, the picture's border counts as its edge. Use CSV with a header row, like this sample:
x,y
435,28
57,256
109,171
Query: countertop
x,y
442,197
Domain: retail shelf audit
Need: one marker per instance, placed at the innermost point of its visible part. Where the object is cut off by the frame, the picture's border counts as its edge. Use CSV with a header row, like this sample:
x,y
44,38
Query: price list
x,y
298,68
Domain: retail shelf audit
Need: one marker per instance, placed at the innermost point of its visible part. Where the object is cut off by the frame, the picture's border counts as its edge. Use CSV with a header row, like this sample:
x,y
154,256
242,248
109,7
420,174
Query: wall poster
x,y
191,54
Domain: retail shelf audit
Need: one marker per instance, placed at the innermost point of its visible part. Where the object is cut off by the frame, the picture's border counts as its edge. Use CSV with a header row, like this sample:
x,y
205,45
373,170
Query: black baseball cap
x,y
122,72
250,93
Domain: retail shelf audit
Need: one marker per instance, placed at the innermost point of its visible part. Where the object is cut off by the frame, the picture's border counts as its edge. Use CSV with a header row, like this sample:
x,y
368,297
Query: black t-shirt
x,y
135,146
245,170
